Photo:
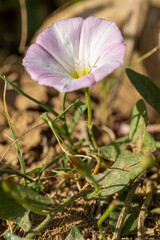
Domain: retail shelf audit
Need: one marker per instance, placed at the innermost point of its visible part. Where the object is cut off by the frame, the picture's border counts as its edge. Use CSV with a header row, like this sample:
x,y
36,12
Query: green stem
x,y
17,173
110,208
54,212
14,136
90,124
96,190
64,120
19,155
63,109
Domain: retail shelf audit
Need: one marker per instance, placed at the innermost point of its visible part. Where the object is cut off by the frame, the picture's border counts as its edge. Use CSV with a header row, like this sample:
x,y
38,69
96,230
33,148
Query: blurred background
x,y
11,14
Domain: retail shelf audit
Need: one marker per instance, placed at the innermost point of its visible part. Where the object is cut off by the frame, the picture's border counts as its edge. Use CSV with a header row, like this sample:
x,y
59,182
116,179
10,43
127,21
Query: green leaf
x,y
148,90
74,234
139,140
129,153
131,221
124,170
13,211
10,236
33,171
116,149
156,211
26,197
77,115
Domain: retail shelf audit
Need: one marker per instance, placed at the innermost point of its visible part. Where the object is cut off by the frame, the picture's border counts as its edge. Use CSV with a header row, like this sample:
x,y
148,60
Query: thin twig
x,y
141,218
24,26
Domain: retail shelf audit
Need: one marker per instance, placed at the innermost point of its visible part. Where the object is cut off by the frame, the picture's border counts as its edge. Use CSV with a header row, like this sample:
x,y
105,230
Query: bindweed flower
x,y
75,53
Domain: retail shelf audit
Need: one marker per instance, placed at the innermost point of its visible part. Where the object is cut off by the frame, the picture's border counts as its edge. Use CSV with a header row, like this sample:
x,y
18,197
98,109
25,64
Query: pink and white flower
x,y
75,53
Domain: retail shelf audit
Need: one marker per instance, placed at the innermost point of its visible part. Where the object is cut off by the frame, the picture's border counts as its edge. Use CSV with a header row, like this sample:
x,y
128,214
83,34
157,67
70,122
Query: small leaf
x,y
156,211
131,221
74,234
26,197
139,120
148,90
142,141
33,171
13,211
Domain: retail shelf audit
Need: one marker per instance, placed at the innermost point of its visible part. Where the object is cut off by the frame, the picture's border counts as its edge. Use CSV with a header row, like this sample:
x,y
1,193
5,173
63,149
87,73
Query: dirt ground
x,y
37,142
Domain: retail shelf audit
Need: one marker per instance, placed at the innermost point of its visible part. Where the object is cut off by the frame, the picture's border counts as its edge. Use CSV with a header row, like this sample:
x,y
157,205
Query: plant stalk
x,y
64,120
90,124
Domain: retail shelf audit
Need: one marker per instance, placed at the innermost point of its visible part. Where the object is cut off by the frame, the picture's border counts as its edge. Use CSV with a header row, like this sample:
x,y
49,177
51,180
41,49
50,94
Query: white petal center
x,y
82,68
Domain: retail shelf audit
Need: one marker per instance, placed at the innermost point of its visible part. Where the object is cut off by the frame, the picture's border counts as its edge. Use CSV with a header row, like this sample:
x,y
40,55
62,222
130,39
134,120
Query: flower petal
x,y
74,47
38,63
110,60
61,40
83,82
43,68
97,36
64,84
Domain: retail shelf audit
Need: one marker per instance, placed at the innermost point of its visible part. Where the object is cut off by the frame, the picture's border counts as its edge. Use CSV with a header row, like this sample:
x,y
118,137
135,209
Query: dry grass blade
x,y
141,219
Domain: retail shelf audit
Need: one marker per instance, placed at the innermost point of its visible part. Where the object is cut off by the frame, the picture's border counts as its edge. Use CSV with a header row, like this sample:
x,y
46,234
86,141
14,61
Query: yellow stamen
x,y
81,70
77,74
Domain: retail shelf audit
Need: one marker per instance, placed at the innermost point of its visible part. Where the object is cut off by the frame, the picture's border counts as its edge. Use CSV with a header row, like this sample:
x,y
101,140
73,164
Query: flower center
x,y
81,70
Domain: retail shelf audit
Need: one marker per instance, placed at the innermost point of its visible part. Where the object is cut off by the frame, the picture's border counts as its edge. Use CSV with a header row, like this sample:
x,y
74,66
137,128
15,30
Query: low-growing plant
x,y
70,55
